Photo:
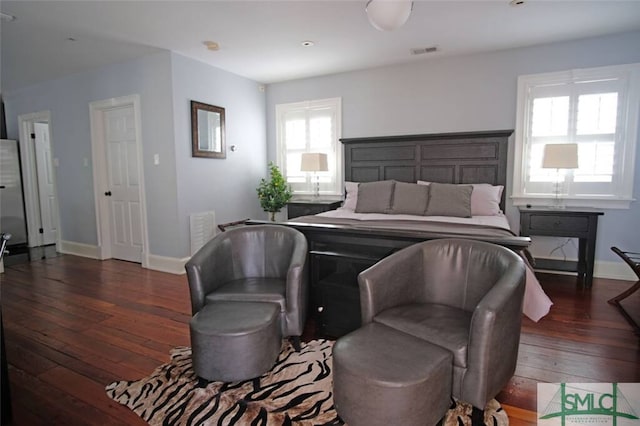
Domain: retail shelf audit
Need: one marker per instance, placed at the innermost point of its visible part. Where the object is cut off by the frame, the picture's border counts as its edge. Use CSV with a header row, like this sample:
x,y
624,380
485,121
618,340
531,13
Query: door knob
x,y
108,193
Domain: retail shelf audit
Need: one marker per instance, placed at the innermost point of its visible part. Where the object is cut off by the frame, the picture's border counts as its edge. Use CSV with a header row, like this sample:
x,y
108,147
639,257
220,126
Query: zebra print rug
x,y
297,391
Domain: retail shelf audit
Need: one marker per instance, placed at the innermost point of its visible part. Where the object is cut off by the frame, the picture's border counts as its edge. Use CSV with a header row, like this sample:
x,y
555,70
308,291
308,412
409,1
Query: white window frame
x,y
335,186
625,142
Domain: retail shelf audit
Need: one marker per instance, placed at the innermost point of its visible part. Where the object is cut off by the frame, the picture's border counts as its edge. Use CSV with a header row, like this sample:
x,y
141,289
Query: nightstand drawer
x,y
557,225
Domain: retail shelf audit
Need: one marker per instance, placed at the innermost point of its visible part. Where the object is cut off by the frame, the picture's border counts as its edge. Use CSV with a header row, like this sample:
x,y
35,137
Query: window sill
x,y
595,203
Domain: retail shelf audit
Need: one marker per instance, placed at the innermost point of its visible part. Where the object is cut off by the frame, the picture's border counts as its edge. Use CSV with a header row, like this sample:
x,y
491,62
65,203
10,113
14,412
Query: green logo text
x,y
572,401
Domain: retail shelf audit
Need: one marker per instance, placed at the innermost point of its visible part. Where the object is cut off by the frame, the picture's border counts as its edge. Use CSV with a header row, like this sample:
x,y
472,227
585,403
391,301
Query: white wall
x,y
68,100
465,93
179,185
226,186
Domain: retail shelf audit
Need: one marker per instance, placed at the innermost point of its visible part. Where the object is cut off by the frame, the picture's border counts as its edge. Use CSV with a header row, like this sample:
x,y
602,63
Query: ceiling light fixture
x,y
307,43
211,45
516,2
386,15
5,17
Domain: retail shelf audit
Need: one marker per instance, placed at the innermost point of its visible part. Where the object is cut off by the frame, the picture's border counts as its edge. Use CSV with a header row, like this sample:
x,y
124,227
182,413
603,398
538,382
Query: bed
x,y
386,179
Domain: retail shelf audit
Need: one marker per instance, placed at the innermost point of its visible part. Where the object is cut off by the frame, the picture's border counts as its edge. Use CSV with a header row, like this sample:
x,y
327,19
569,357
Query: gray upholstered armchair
x,y
256,263
462,295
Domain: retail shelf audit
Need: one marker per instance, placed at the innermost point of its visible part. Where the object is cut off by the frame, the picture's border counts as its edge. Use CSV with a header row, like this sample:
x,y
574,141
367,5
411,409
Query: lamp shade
x,y
388,15
560,156
314,162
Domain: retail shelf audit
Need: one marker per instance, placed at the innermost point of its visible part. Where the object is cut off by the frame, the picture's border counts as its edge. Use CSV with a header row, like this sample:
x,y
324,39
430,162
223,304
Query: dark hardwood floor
x,y
73,325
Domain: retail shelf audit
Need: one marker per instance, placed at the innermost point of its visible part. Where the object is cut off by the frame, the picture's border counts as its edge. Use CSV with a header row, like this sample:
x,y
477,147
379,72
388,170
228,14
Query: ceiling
x,y
261,40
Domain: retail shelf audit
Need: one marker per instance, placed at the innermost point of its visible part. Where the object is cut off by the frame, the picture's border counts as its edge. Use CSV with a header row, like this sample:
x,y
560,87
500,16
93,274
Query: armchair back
x,y
459,273
265,251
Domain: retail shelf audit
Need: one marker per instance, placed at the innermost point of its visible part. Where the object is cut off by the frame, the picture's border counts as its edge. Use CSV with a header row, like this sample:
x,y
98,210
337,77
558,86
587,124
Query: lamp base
x,y
316,193
558,203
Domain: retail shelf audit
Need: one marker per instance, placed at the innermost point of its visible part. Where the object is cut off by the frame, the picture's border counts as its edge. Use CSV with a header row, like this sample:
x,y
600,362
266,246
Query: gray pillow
x,y
375,197
410,198
449,200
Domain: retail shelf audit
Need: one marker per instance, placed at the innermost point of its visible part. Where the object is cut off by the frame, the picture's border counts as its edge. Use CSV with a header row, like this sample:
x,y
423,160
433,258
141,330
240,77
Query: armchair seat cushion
x,y
251,290
441,325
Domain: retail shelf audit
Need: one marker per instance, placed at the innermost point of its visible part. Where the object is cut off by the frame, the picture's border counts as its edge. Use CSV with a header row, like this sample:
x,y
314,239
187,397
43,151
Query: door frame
x,y
100,178
30,179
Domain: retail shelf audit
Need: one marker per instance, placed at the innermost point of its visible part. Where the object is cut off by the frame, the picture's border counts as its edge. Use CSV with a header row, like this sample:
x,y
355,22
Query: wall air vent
x,y
202,229
423,50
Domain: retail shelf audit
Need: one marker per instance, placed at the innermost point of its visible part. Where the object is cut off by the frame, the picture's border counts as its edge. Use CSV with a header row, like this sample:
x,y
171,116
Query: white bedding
x,y
536,302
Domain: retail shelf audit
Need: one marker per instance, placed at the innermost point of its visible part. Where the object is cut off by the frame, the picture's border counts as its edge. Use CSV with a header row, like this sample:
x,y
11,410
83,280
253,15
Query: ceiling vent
x,y
423,50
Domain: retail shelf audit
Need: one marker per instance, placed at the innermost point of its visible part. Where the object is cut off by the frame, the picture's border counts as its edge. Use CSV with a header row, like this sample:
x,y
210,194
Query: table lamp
x,y
560,156
314,162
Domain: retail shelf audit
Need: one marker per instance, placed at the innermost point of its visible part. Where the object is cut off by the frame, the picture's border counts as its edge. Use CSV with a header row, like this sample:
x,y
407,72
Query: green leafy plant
x,y
275,193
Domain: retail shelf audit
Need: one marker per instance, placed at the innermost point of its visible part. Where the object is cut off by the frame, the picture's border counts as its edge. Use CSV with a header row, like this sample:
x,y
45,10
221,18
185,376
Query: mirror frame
x,y
195,146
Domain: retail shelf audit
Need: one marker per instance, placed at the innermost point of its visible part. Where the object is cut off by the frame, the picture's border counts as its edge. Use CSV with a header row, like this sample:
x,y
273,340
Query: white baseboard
x,y
171,265
614,271
80,249
603,269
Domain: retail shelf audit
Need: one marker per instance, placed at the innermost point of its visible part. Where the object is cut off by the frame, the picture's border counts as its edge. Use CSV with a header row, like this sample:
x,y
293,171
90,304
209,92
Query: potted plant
x,y
275,193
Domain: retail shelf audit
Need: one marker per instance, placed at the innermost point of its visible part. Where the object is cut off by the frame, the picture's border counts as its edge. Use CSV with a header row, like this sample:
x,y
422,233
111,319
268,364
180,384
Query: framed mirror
x,y
207,131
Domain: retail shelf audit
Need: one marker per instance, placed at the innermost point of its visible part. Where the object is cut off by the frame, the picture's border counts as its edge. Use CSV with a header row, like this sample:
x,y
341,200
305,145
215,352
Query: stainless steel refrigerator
x,y
12,214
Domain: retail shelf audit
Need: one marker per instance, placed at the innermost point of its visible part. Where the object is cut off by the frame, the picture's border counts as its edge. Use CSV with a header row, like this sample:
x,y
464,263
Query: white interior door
x,y
123,186
39,179
46,190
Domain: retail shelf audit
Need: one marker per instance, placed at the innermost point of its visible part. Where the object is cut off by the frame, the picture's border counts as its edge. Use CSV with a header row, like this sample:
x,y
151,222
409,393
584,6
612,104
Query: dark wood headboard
x,y
469,157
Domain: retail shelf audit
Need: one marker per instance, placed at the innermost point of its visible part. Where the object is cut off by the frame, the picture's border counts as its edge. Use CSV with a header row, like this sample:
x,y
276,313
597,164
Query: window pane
x,y
596,108
550,116
295,132
595,161
309,126
320,134
597,113
536,172
293,168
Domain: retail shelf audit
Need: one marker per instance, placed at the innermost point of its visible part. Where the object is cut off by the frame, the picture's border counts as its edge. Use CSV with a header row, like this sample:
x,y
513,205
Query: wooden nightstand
x,y
565,223
297,208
